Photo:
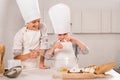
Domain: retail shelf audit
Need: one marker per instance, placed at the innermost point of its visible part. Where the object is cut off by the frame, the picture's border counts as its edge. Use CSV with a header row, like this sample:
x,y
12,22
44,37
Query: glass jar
x,y
64,64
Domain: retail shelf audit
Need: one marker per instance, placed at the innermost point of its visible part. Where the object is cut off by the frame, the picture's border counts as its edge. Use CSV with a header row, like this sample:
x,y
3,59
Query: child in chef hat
x,y
66,47
32,38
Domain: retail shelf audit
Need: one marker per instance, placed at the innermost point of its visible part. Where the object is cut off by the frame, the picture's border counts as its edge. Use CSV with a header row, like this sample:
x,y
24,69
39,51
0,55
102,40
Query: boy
x,y
32,38
66,47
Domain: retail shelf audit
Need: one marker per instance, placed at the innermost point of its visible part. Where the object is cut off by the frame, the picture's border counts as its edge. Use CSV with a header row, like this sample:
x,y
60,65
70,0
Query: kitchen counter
x,y
39,74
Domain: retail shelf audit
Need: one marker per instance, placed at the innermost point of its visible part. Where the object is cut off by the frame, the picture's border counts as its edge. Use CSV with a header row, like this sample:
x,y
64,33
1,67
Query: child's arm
x,y
79,51
22,57
32,54
56,45
50,52
80,44
47,55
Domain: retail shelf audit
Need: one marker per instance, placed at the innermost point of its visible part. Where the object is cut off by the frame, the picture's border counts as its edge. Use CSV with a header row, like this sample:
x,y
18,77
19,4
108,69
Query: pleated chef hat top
x,y
60,18
29,9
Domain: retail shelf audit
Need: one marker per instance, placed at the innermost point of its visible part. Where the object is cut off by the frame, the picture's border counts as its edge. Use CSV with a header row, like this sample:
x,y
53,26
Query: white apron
x,y
65,57
31,41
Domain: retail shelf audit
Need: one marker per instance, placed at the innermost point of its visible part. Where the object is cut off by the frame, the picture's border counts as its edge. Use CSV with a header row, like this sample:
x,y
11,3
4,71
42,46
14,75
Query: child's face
x,y
34,25
62,37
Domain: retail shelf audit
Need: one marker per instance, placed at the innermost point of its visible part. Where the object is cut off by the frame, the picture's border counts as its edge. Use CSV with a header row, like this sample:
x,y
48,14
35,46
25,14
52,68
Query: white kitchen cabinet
x,y
76,20
83,20
85,17
115,21
91,22
106,19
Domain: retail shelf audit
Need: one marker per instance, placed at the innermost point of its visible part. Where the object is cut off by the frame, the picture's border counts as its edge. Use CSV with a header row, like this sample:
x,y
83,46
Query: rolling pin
x,y
78,76
2,52
104,68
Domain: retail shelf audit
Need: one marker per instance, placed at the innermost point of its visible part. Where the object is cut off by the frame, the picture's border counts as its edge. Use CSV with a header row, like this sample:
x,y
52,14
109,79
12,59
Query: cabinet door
x,y
91,21
75,13
106,20
115,21
76,21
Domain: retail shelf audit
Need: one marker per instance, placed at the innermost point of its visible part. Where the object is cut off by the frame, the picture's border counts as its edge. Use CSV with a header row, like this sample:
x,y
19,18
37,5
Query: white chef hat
x,y
60,18
29,9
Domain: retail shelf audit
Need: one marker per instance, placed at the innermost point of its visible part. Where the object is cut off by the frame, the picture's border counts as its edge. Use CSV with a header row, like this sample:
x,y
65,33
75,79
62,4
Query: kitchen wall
x,y
104,47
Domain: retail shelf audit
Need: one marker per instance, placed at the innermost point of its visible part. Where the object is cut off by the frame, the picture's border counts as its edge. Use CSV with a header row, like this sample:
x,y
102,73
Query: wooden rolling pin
x,y
104,68
78,76
2,52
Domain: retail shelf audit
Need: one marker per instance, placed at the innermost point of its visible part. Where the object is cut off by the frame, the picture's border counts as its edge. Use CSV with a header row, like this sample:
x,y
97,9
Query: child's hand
x,y
33,54
81,45
71,39
58,45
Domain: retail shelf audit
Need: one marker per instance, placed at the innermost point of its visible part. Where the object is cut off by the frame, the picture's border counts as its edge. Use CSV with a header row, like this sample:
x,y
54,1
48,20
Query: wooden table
x,y
39,74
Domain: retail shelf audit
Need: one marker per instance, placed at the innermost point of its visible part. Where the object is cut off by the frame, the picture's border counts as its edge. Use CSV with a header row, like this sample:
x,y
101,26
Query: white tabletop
x,y
39,74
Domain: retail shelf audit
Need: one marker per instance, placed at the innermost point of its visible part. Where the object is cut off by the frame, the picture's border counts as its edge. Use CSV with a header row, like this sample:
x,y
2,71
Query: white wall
x,y
11,21
103,47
